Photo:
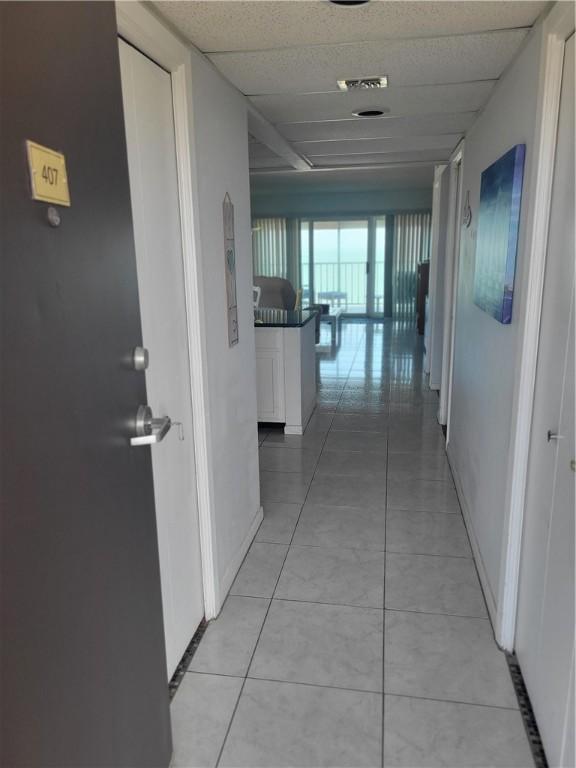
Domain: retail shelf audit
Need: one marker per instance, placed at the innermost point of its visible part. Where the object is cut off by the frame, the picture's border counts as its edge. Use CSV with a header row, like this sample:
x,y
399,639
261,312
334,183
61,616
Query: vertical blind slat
x,y
411,248
276,248
269,248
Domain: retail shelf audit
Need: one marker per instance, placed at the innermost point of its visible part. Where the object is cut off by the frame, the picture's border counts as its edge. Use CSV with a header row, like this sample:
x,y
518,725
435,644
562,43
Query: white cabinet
x,y
270,374
286,375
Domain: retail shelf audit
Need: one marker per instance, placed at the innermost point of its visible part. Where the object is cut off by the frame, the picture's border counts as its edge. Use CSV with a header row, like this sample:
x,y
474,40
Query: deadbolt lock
x,y
140,358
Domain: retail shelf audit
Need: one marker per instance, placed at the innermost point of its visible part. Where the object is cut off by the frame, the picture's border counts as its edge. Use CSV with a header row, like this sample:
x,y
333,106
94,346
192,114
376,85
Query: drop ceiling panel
x,y
256,150
238,26
318,181
379,127
420,156
420,62
268,162
417,100
261,156
362,146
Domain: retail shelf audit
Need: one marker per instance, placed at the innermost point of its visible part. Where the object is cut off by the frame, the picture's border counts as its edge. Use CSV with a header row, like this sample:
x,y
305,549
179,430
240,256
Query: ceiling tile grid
x,y
237,25
427,156
415,100
425,61
261,156
442,60
379,127
389,145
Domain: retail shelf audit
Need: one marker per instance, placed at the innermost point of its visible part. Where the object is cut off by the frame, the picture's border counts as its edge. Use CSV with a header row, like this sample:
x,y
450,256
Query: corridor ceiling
x,y
442,60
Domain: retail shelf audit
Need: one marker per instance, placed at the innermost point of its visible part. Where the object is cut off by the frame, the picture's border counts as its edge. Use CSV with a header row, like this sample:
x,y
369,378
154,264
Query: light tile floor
x,y
356,633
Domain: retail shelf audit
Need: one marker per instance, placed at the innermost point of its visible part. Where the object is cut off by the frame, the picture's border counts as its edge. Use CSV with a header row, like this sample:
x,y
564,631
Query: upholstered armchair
x,y
278,293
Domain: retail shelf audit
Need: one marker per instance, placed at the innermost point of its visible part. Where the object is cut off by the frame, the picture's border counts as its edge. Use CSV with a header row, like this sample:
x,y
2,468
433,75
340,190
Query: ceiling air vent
x,y
363,83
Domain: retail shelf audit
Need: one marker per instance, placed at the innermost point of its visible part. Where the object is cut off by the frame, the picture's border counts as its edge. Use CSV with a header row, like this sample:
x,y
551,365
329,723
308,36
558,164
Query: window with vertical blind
x,y
338,262
276,249
269,247
411,247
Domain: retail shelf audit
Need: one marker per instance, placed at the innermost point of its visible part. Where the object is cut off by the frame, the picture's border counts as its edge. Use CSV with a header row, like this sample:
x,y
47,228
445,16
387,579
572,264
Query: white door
x,y
147,92
545,628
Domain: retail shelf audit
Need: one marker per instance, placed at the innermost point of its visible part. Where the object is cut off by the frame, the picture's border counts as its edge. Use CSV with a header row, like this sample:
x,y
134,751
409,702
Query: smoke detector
x,y
363,83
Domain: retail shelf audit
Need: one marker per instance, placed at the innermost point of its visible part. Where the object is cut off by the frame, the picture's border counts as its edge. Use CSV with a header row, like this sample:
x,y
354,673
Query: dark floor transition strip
x,y
182,668
527,712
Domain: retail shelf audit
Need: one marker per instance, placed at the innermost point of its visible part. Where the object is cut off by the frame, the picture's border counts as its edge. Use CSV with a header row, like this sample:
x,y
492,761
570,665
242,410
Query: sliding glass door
x,y
345,263
334,254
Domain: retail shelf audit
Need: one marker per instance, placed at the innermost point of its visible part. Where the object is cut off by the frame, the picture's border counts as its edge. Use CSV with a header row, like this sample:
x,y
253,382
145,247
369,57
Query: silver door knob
x,y
553,436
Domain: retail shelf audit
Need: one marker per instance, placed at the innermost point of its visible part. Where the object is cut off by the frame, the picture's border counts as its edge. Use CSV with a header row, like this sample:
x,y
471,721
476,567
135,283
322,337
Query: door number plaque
x,y
48,177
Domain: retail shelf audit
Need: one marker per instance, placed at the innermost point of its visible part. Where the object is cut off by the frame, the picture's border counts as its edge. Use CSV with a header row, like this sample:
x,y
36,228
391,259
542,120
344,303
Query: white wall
x,y
486,352
323,202
221,156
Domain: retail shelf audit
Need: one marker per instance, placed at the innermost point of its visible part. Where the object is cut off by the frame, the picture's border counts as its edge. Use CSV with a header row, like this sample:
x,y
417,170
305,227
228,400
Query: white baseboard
x,y
293,430
228,578
484,583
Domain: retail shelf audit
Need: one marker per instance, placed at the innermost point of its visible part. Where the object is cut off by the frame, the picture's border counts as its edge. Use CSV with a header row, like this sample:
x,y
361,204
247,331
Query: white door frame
x,y
434,256
143,30
555,29
455,168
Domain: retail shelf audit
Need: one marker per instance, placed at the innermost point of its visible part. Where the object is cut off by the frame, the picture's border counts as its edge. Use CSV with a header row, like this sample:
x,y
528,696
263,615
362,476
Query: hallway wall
x,y
221,132
486,352
336,202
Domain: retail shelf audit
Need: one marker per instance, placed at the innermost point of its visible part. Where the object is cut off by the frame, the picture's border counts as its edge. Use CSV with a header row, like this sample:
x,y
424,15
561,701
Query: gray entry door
x,y
83,657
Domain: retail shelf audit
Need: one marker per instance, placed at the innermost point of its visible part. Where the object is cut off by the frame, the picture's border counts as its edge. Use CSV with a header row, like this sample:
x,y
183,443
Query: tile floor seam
x,y
428,554
246,676
317,685
436,613
323,602
330,549
383,732
476,568
216,674
217,763
424,511
435,482
451,701
358,690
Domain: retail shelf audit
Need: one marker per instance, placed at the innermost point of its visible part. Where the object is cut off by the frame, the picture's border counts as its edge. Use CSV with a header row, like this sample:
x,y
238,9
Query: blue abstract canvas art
x,y
497,241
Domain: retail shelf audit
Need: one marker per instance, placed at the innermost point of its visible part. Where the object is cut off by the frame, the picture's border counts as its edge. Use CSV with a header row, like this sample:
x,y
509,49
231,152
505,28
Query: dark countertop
x,y
282,318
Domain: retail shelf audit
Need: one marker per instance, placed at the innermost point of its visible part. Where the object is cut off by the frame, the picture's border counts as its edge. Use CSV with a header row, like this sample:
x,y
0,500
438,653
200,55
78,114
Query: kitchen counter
x,y
283,318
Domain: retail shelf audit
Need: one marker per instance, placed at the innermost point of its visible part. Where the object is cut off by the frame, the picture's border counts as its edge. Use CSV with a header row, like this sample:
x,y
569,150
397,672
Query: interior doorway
x,y
149,121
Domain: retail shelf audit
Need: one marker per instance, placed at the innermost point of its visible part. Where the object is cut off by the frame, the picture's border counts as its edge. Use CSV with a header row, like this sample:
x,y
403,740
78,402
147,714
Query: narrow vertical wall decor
x,y
230,267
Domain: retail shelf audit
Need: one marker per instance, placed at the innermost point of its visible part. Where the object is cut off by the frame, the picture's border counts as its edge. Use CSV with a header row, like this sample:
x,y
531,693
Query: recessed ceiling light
x,y
363,83
373,112
349,2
